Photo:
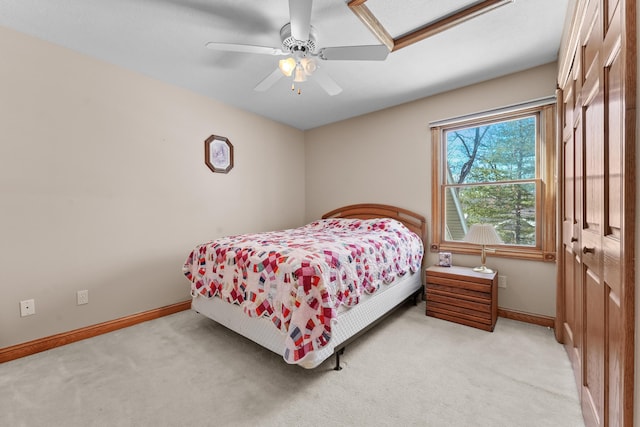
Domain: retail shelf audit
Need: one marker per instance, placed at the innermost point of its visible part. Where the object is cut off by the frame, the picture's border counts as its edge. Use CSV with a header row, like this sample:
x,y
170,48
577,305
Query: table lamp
x,y
483,234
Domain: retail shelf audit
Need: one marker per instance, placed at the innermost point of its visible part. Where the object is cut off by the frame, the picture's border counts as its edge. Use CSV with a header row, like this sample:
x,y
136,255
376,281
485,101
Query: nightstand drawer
x,y
452,291
459,301
463,319
461,284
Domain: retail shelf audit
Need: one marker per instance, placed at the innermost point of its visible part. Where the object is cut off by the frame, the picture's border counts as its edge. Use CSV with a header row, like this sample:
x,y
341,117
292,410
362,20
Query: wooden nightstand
x,y
461,295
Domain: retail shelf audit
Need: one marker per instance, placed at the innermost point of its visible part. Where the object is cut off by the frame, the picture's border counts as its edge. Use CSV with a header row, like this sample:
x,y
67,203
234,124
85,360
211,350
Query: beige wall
x,y
385,157
103,186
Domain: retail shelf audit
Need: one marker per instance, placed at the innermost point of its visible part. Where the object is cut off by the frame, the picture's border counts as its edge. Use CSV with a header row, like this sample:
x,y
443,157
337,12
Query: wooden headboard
x,y
413,221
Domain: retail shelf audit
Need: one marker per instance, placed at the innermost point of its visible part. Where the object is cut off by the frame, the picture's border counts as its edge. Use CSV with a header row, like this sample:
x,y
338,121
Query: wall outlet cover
x,y
27,307
82,297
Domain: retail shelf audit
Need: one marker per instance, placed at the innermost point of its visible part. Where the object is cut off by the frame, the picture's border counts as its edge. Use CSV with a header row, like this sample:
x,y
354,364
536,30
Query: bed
x,y
305,293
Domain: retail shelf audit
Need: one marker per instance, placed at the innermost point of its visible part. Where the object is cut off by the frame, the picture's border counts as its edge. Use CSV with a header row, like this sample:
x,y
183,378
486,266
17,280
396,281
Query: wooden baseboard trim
x,y
535,319
47,343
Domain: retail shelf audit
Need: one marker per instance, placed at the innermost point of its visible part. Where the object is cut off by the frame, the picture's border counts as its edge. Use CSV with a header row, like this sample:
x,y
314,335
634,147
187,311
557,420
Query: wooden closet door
x,y
619,302
592,226
570,297
598,211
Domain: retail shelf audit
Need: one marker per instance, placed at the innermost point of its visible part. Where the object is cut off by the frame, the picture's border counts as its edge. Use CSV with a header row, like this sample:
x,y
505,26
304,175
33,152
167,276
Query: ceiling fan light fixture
x,y
309,65
300,75
300,52
287,66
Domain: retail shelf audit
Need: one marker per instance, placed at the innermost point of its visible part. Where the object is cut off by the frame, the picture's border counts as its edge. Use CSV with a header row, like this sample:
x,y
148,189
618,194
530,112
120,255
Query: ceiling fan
x,y
299,45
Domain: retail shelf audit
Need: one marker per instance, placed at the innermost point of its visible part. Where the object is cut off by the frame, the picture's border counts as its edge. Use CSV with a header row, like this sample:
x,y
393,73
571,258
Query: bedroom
x,y
97,160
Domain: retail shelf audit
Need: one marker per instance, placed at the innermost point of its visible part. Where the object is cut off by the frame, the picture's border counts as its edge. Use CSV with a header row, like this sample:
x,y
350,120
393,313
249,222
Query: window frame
x,y
545,249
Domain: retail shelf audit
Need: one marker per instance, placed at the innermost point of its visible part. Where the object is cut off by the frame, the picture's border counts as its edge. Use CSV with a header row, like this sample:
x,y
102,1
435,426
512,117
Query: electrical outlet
x,y
502,281
27,307
82,297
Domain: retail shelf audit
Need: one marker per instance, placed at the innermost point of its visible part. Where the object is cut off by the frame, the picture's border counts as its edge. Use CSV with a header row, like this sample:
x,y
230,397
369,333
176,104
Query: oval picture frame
x,y
218,154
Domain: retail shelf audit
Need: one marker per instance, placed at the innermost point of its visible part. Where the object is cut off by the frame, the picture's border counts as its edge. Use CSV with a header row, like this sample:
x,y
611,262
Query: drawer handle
x,y
587,250
574,239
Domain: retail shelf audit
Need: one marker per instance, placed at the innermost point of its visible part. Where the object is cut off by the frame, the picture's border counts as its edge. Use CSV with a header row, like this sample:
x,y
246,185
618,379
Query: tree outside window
x,y
491,174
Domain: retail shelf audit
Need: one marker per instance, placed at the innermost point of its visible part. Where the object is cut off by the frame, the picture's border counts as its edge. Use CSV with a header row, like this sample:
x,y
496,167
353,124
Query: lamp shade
x,y
299,75
483,234
287,66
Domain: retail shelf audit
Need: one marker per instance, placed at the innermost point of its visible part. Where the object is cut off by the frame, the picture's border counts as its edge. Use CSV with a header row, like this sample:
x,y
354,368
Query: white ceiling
x,y
165,39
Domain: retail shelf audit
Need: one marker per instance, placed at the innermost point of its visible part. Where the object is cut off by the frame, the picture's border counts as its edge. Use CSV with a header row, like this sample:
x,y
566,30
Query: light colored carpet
x,y
185,370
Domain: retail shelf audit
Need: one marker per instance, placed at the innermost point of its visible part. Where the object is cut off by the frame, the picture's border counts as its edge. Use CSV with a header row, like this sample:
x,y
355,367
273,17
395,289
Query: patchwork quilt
x,y
298,278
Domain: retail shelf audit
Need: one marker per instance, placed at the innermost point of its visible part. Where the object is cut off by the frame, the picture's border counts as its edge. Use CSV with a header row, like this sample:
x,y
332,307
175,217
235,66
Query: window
x,y
496,168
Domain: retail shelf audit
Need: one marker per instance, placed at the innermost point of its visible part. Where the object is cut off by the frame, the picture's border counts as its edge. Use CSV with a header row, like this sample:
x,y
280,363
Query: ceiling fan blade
x,y
269,81
245,48
300,18
326,82
354,53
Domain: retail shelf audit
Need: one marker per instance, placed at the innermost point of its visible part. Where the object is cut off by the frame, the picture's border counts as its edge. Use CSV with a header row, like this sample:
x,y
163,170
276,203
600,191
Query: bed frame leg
x,y
418,295
338,353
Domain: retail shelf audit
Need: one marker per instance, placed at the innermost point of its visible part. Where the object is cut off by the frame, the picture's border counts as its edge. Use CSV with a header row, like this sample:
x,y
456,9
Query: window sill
x,y
529,254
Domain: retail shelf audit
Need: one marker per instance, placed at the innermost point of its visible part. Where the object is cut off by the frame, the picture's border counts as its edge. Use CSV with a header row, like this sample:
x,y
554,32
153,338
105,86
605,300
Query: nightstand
x,y
461,295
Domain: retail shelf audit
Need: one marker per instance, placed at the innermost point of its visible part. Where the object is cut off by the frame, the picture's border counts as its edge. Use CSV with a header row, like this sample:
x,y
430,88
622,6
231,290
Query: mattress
x,y
348,322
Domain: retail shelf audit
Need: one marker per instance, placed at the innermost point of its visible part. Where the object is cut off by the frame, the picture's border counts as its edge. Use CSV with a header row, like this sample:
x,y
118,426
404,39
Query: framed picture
x,y
444,259
218,154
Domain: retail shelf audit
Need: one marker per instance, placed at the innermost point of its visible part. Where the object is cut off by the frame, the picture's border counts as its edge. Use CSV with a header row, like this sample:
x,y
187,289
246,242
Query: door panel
x,y
593,369
593,153
615,361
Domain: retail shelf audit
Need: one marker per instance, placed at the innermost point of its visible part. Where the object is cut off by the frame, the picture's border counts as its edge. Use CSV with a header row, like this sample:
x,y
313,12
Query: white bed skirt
x,y
348,322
